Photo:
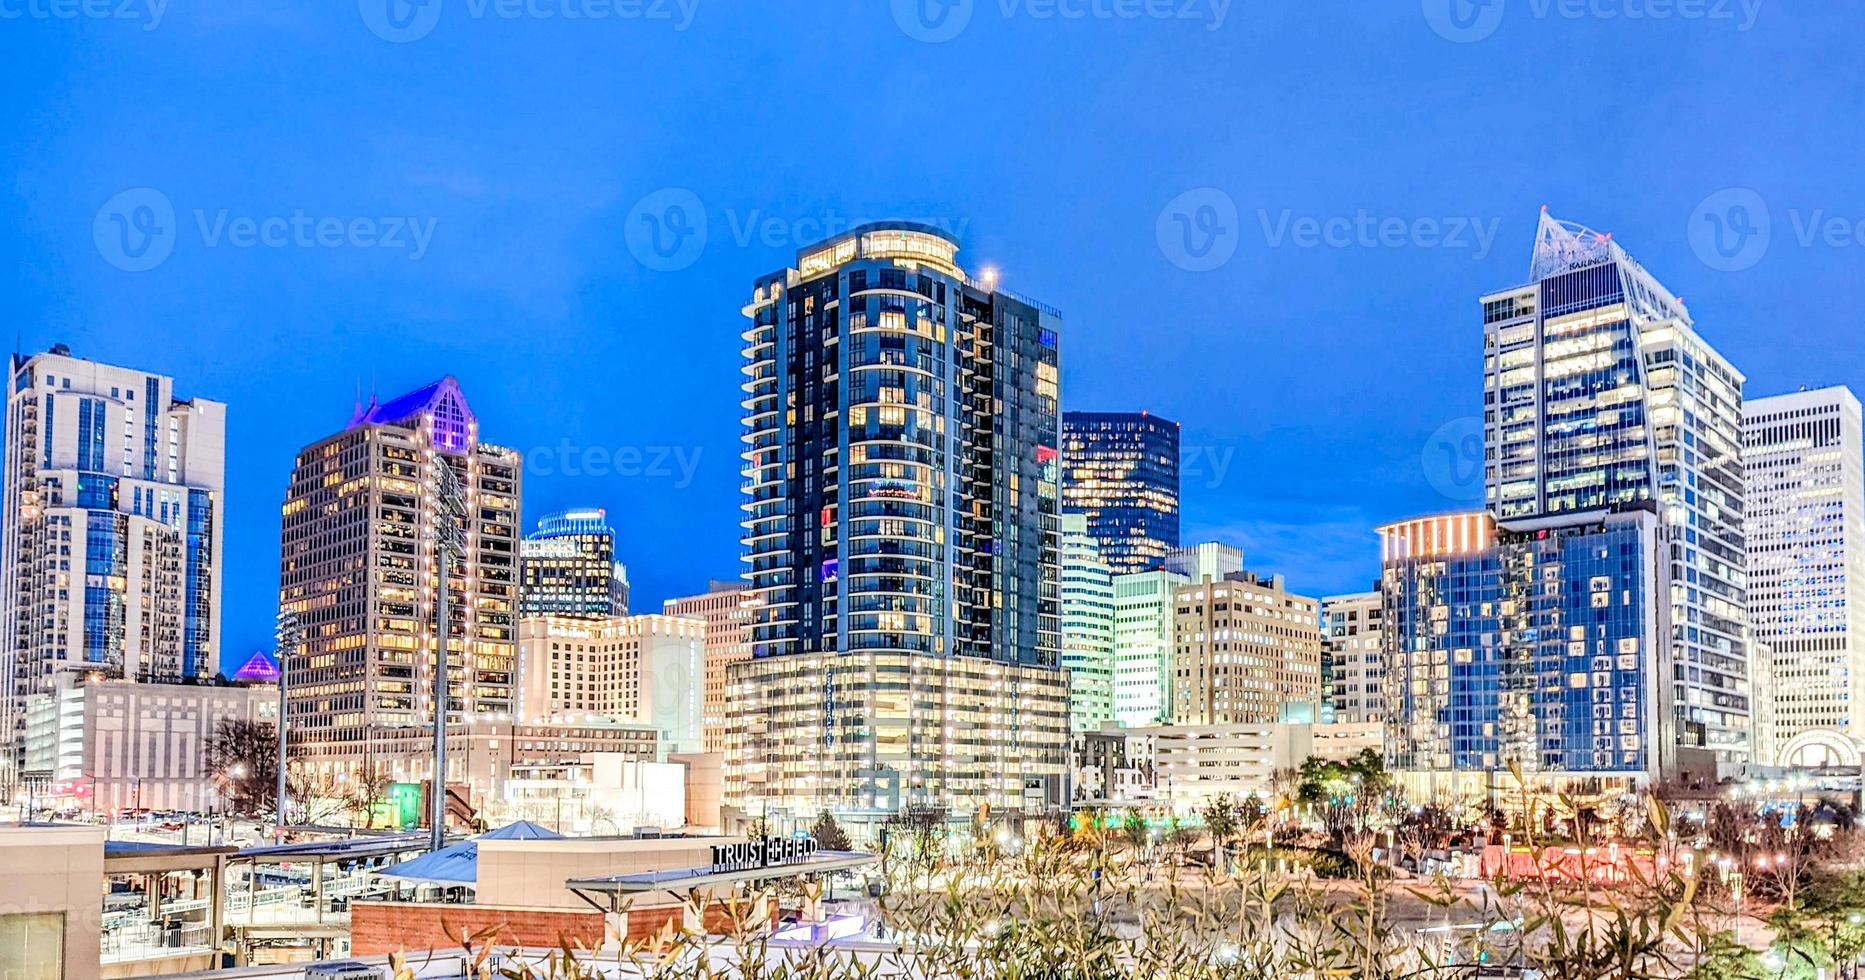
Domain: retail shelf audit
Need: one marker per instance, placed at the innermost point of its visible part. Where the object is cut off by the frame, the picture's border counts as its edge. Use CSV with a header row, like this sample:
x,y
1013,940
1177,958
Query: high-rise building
x,y
725,607
1121,470
1354,661
1247,651
569,568
901,473
1144,613
1143,657
1208,561
1599,395
110,530
1804,457
645,669
1087,627
359,569
1542,643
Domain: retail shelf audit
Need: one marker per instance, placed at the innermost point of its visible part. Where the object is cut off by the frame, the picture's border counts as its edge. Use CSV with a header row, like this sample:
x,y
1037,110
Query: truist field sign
x,y
761,853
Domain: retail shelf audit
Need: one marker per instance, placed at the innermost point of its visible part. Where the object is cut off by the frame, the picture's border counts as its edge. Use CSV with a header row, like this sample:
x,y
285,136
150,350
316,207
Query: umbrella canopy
x,y
522,830
459,864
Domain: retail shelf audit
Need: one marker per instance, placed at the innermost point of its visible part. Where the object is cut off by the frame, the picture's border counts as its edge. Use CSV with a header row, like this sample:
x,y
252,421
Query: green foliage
x,y
829,835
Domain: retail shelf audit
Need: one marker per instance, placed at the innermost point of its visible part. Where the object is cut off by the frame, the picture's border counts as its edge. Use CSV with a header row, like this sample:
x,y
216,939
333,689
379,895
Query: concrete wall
x,y
57,869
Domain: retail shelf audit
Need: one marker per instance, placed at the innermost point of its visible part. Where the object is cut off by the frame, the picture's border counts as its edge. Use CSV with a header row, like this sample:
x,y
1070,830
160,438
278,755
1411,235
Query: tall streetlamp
x,y
290,635
449,544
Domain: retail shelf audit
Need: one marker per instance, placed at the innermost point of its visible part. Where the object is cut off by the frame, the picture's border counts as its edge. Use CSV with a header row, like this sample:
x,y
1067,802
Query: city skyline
x,y
1323,439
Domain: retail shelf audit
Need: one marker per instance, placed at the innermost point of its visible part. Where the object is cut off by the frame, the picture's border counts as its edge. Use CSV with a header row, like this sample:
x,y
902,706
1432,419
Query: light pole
x,y
290,634
449,543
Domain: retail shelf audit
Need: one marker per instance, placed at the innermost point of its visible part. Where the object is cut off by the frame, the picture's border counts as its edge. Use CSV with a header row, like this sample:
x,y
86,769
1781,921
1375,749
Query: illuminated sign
x,y
760,854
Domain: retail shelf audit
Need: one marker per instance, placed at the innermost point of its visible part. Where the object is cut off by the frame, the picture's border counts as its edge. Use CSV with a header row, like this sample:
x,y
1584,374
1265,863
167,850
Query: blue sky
x,y
1268,220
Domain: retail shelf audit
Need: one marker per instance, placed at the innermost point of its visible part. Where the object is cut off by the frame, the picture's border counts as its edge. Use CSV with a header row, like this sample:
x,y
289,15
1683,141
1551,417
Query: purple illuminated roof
x,y
443,401
261,667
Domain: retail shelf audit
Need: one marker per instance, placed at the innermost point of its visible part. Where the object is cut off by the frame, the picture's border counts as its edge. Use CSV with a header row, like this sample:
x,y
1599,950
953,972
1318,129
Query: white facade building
x,y
1087,626
111,509
1187,766
102,746
1804,457
1355,661
646,669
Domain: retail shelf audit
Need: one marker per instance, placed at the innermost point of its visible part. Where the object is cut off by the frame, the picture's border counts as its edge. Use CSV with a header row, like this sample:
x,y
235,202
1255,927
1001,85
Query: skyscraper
x,y
644,669
1087,627
1600,394
569,567
726,609
358,568
1143,657
1541,643
901,476
110,546
1144,614
1805,466
1354,661
1121,470
1247,651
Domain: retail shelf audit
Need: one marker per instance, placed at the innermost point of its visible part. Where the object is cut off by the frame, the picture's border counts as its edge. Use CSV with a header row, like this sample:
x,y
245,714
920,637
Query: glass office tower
x,y
900,536
1121,470
568,567
1600,395
1539,643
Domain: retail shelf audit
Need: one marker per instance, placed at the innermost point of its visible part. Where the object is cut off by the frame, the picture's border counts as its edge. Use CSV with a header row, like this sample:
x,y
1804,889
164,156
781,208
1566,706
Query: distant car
x,y
342,970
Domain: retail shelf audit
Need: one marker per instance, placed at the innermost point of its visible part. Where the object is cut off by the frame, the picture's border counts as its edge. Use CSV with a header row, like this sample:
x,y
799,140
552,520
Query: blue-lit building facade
x,y
900,536
110,540
1541,644
1600,394
1121,470
568,567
